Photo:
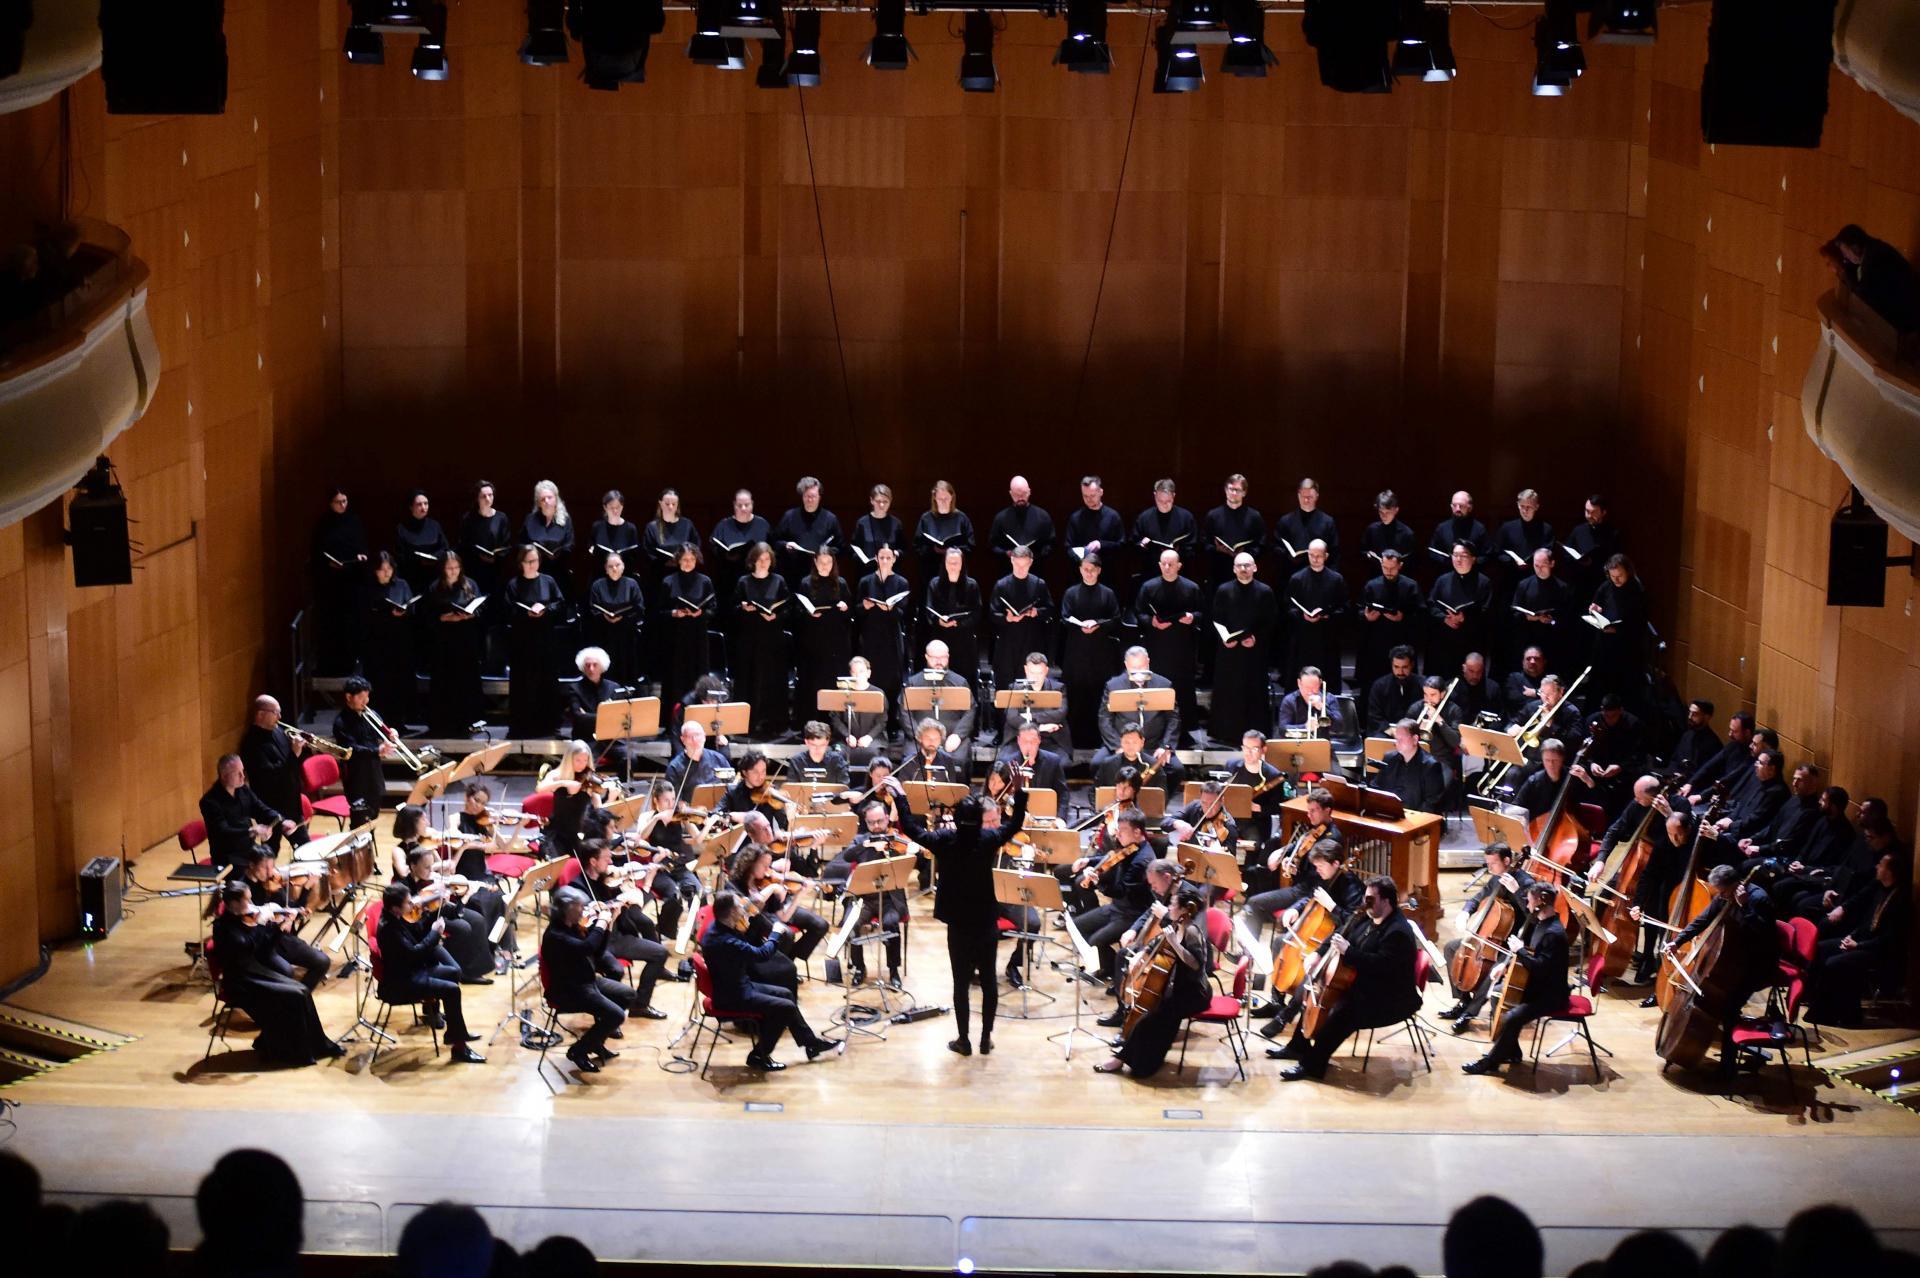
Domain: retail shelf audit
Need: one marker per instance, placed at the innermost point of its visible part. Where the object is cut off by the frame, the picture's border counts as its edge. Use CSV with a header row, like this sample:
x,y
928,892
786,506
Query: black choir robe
x,y
1619,654
1175,650
387,647
809,533
660,545
960,602
1398,535
759,618
1471,594
1315,643
1227,531
823,641
880,633
1474,699
1084,527
869,534
935,534
683,656
727,550
1389,700
612,618
418,547
1155,533
1586,551
1028,526
1300,527
486,548
1549,597
1452,529
1014,640
1380,630
453,697
1239,672
533,654
1087,661
555,543
337,566
1514,543
624,538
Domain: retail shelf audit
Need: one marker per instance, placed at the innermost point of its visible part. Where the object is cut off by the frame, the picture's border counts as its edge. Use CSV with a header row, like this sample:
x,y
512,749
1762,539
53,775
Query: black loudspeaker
x,y
164,58
100,896
97,532
1766,77
1857,560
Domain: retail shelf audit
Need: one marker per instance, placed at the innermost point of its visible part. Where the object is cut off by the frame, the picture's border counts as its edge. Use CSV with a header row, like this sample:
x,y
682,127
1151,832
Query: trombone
x,y
1528,734
420,761
313,741
1430,715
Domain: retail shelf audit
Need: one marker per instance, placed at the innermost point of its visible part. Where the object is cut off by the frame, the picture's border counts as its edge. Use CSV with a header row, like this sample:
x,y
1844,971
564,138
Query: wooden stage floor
x,y
172,1112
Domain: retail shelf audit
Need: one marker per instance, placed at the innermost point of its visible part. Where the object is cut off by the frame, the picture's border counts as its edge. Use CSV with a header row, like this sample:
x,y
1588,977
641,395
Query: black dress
x,y
683,640
881,632
1315,643
869,534
1014,640
1471,596
1619,658
934,535
809,532
337,569
386,648
1087,661
612,618
418,547
453,698
555,542
532,697
823,644
727,550
486,548
959,600
662,543
759,650
1187,994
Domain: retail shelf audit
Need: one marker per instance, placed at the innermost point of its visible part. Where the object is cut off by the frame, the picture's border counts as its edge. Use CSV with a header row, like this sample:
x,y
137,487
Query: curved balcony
x,y
75,371
1861,405
61,44
1877,42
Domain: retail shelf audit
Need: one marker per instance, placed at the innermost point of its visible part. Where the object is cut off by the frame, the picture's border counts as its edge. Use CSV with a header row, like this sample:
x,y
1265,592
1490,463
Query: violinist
x,y
467,927
1205,820
574,788
735,959
1749,911
1544,956
1040,769
1507,882
752,792
818,763
255,979
267,884
883,911
1163,876
1120,876
1380,947
929,761
632,937
572,961
1144,1050
480,827
1253,771
663,828
1324,867
763,875
416,968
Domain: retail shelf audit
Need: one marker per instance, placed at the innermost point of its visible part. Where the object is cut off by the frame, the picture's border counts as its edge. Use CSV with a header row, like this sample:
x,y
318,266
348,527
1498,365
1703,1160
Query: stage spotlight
x,y
1350,39
1177,67
546,42
889,50
803,60
1246,53
1558,58
1198,22
976,59
1624,21
1765,82
430,54
1085,48
751,19
773,65
363,45
1425,50
709,48
615,37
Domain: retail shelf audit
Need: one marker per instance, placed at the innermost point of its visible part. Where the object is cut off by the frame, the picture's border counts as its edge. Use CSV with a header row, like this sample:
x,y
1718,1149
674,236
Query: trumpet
x,y
314,741
419,760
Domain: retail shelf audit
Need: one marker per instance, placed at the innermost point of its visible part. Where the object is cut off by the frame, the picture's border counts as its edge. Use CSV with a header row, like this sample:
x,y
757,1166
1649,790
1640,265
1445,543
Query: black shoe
x,y
961,1046
1294,1073
616,1032
1265,1012
1291,1052
820,1047
434,1020
1454,1013
1014,979
893,983
1272,1029
604,1053
330,1052
1459,1024
649,1014
464,1055
986,1044
765,1064
1650,1001
454,1040
1118,1016
583,1060
476,980
1485,1065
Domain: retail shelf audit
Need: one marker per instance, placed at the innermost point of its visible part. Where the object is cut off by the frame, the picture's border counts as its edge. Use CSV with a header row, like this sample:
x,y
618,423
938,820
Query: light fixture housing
x,y
1177,66
1246,54
803,54
1624,22
1558,58
1425,47
1197,22
615,37
546,42
1085,49
977,73
889,50
364,46
1349,39
710,48
751,19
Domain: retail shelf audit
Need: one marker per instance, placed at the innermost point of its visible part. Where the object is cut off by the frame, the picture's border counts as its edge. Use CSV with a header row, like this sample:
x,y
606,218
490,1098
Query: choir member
x,y
950,611
1036,676
1389,696
1411,772
1022,616
686,604
585,696
943,527
453,695
804,529
549,528
759,643
1316,613
361,777
880,634
1244,615
615,534
1539,611
1515,541
1457,609
1095,528
956,726
272,760
1230,529
235,817
1459,526
1168,608
253,980
416,968
1593,541
486,540
1161,527
1388,529
386,643
1021,523
731,538
822,615
534,603
857,730
1390,609
337,566
1089,618
418,542
615,603
1619,613
665,533
1780,841
1297,530
878,527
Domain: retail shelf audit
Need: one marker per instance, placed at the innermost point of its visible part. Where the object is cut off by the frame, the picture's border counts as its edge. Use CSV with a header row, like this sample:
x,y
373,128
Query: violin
x,y
765,795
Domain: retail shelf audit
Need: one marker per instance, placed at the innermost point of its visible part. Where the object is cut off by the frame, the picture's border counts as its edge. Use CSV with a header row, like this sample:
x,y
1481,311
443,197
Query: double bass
x,y
1688,900
1717,959
1558,836
1613,885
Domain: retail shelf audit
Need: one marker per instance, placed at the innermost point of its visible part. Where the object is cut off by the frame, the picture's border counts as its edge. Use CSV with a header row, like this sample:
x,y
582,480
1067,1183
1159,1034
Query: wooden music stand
x,y
1056,847
1376,749
1028,699
623,812
1042,802
1152,800
1490,825
1308,754
429,785
807,793
847,701
937,699
925,796
721,718
840,827
626,719
1491,746
1033,890
1237,803
481,762
1215,869
707,796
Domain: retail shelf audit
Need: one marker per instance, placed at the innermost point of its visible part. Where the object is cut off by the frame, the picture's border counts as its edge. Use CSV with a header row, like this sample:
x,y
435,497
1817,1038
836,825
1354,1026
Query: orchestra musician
x,y
1617,752
469,922
1245,616
632,936
1544,954
267,884
236,818
360,774
1309,710
1132,756
1253,771
1162,877
752,792
761,871
255,979
1184,935
818,762
1411,772
661,829
1159,730
1749,910
956,726
858,729
1522,684
1204,821
1265,907
416,968
1441,736
574,788
1040,769
1392,696
572,954
695,765
1052,722
1381,950
1509,883
1121,875
733,962
929,761
1473,694
1666,862
883,911
999,790
272,760
1323,867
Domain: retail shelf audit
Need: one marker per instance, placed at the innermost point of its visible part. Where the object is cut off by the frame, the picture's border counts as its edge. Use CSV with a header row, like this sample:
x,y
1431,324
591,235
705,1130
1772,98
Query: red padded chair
x,y
320,773
1219,933
510,865
222,1005
1763,1034
306,810
193,836
1579,1012
1227,1010
706,1016
539,807
1421,1036
567,875
370,925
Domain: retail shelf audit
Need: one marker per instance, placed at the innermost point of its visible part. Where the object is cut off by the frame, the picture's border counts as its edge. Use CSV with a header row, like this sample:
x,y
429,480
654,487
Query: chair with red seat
x,y
1762,1034
554,1032
319,774
1412,1027
539,807
1219,933
192,837
707,1018
370,931
222,1005
1228,1011
1579,1012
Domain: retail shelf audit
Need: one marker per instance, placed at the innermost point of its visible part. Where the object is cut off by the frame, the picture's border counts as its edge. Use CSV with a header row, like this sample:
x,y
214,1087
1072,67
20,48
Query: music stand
x,y
355,932
832,701
1042,802
1376,749
431,784
205,879
936,699
1038,891
1152,800
1236,800
707,794
624,720
839,827
535,881
1308,754
1140,702
482,762
622,812
933,794
1055,847
874,879
1087,959
1028,699
1216,869
720,718
1490,825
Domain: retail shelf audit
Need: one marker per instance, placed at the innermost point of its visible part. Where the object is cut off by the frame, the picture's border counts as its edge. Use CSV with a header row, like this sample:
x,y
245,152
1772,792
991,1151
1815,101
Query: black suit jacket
x,y
1545,960
1420,781
572,961
963,894
1383,959
1162,727
1049,773
229,819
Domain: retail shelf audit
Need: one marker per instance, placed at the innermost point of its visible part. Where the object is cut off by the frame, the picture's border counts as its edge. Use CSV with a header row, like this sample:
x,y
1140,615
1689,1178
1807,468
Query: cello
x,y
1557,837
1717,958
1483,942
1327,983
1302,942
